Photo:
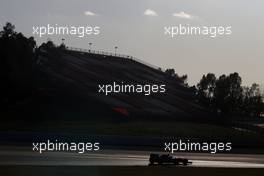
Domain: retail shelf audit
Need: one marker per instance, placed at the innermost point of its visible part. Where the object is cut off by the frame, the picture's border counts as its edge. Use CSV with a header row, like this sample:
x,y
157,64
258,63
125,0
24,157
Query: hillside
x,y
78,74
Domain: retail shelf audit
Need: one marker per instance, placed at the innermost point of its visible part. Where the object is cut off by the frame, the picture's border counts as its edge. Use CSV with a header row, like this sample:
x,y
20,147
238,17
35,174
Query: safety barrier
x,y
114,55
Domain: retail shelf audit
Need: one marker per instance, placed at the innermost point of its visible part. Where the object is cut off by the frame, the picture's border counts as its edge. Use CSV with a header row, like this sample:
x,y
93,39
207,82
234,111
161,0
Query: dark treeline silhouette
x,y
226,96
18,58
17,54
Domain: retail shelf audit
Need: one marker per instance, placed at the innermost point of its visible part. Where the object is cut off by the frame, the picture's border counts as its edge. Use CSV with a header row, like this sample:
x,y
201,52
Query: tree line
x,y
16,64
226,96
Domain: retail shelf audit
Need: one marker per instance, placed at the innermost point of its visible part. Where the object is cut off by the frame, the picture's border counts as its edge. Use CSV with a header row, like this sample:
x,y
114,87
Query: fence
x,y
99,52
114,55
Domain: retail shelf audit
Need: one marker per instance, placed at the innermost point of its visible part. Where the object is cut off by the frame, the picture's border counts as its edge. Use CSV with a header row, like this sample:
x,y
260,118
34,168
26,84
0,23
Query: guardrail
x,y
114,55
99,52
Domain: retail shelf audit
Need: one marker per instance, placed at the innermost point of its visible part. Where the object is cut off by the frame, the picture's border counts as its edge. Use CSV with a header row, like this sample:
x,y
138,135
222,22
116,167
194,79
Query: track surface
x,y
123,158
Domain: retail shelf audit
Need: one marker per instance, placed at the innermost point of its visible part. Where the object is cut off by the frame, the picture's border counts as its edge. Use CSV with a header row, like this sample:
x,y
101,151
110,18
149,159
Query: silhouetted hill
x,y
77,74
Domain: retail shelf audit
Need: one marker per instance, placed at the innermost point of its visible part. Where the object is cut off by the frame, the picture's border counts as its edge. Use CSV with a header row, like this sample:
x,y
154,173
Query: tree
x,y
206,89
17,54
62,46
226,95
170,72
182,79
235,92
8,31
253,100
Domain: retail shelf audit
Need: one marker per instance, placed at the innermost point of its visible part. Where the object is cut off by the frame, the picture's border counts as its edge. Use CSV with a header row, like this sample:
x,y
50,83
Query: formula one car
x,y
167,159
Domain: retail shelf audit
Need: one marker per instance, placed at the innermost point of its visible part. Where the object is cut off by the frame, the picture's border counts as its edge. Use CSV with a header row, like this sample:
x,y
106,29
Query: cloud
x,y
183,15
149,12
89,13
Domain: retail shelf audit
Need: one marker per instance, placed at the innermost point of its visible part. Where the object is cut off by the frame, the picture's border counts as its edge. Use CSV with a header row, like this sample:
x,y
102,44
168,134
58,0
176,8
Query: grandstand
x,y
78,72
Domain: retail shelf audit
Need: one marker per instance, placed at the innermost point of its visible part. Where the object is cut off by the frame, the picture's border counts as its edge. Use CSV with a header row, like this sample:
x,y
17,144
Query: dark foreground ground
x,y
125,171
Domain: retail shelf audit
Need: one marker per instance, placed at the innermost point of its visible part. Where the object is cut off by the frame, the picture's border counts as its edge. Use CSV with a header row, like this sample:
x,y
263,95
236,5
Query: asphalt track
x,y
25,157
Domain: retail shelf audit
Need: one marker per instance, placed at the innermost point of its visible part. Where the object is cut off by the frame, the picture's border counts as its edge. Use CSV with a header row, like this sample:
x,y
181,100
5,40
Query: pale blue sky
x,y
124,24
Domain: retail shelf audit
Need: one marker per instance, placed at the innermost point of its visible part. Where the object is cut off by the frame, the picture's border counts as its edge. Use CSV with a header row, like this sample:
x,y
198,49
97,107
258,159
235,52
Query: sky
x,y
137,28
